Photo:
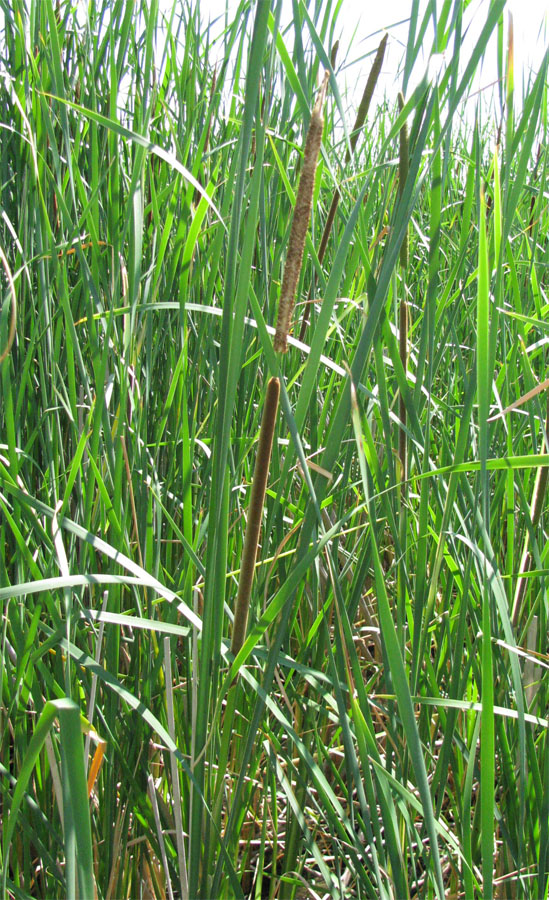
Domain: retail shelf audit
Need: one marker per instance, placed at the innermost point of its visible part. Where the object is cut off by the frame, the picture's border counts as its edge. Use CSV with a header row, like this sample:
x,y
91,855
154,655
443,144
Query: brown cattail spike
x,y
255,513
300,221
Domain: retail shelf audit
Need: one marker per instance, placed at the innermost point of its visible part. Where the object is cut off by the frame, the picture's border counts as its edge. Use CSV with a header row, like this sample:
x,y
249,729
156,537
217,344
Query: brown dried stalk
x,y
255,513
300,222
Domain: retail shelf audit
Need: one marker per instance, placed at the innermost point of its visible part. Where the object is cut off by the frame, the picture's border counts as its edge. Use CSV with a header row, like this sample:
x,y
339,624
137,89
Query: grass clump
x,y
378,725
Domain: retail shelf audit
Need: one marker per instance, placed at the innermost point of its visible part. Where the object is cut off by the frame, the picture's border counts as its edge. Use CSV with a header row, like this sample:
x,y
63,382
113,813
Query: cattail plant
x,y
255,512
136,249
300,222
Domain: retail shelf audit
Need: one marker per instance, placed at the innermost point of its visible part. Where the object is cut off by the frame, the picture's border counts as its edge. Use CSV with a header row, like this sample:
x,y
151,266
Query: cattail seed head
x,y
300,221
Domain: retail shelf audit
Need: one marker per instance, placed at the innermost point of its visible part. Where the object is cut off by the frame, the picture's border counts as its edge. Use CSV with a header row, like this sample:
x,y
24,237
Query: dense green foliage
x,y
387,734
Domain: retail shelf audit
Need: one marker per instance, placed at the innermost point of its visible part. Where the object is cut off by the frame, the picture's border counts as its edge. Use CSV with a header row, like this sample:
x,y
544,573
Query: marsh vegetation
x,y
382,731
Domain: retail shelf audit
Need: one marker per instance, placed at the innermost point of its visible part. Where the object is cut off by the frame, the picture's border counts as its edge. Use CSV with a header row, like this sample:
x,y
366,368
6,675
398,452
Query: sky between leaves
x,y
360,26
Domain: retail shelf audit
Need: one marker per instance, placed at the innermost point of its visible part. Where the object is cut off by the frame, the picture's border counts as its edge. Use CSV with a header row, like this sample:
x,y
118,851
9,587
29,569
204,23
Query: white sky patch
x,y
360,32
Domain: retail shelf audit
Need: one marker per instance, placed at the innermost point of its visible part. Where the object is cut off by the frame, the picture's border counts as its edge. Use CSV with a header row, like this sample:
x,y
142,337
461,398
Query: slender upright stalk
x,y
403,354
403,308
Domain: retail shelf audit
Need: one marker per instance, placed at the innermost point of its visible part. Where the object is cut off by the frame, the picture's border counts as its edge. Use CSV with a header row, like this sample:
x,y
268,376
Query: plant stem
x,y
255,513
